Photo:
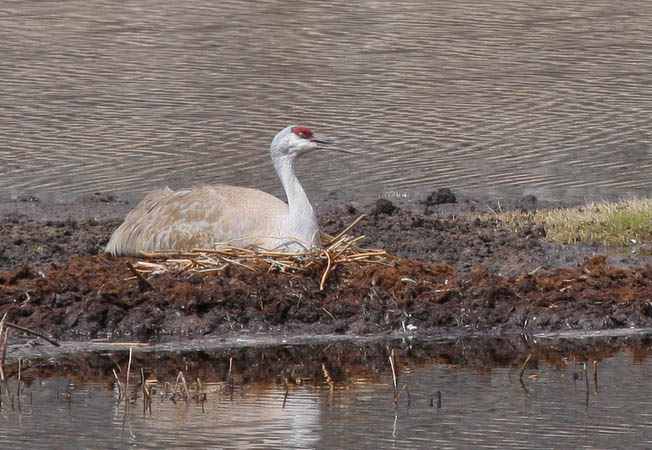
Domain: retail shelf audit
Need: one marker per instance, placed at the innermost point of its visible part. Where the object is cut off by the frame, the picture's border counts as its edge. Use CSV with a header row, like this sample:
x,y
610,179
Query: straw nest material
x,y
339,249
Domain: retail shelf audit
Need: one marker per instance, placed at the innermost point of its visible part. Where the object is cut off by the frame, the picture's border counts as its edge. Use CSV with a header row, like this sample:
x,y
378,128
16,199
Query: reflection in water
x,y
491,98
339,395
251,417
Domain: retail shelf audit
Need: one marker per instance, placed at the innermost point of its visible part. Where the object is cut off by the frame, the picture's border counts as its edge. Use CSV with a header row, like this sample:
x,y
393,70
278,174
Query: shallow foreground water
x,y
581,393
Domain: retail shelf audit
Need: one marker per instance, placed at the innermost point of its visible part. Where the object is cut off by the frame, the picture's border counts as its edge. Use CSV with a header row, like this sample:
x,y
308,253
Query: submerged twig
x,y
147,399
527,360
185,385
117,380
285,397
407,390
595,376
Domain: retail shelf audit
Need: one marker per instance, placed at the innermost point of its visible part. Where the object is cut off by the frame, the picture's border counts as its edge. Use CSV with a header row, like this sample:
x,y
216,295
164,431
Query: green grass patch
x,y
621,223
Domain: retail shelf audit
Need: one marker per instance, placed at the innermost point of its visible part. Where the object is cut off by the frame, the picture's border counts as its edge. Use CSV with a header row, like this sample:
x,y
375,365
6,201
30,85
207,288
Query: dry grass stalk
x,y
392,358
143,284
28,331
339,249
185,386
595,376
127,383
5,328
5,342
19,377
121,344
2,342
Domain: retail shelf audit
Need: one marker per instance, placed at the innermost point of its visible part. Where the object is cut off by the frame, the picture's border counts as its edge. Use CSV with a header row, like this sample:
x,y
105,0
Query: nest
x,y
339,249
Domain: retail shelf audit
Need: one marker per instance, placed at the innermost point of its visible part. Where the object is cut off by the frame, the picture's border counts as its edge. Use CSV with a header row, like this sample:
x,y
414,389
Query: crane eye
x,y
302,132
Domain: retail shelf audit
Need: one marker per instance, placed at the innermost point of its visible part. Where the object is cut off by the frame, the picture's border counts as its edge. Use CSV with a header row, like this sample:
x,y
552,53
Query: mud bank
x,y
449,271
344,361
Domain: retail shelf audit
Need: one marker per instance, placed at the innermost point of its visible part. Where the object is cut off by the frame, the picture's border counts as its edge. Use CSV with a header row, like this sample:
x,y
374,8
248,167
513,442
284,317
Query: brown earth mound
x,y
451,272
97,295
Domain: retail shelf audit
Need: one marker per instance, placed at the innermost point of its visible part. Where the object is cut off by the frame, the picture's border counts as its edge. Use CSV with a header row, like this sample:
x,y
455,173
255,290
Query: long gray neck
x,y
301,213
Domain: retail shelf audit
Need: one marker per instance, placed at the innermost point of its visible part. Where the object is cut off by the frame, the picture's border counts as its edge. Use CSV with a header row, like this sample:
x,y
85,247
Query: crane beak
x,y
322,140
327,142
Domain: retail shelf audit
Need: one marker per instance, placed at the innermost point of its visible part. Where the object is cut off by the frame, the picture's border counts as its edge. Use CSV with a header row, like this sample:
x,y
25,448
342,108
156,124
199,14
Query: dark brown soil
x,y
450,272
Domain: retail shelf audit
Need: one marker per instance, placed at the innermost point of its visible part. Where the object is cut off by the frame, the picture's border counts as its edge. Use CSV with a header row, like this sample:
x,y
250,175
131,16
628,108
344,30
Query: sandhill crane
x,y
203,216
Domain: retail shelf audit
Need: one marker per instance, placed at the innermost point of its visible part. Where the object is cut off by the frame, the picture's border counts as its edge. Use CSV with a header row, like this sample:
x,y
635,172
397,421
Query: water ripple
x,y
506,98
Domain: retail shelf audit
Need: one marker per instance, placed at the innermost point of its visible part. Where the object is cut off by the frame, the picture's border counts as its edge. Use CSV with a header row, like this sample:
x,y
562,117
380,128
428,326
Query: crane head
x,y
295,140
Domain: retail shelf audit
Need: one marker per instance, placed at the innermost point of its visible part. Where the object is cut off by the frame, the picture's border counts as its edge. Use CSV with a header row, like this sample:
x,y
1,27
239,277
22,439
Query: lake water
x,y
339,394
489,98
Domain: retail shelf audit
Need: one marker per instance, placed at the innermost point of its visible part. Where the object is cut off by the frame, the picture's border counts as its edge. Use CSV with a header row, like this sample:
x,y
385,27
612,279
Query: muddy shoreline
x,y
449,272
305,361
